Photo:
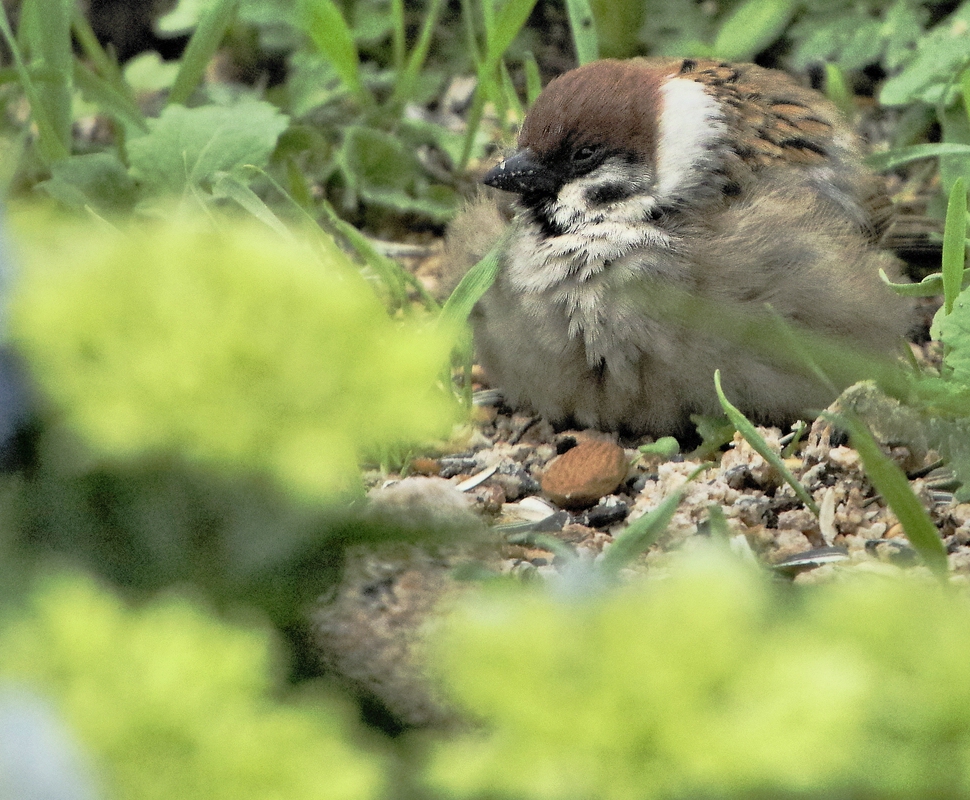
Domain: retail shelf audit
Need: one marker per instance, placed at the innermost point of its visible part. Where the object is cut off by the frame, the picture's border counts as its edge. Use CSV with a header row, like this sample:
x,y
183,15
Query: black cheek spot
x,y
731,189
607,193
539,210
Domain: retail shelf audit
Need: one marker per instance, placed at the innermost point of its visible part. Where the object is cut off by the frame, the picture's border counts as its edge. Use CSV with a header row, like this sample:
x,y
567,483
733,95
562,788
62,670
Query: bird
x,y
663,218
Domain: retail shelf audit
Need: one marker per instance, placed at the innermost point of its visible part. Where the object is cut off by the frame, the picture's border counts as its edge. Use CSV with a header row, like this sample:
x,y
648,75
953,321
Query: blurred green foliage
x,y
711,681
167,702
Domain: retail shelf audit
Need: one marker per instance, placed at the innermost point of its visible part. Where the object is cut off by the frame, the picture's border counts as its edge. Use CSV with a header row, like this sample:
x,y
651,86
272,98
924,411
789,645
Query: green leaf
x,y
183,17
930,286
188,146
837,90
750,433
98,181
383,170
752,27
311,82
715,432
202,46
619,24
864,45
901,30
148,73
942,52
953,330
666,447
882,162
891,482
533,81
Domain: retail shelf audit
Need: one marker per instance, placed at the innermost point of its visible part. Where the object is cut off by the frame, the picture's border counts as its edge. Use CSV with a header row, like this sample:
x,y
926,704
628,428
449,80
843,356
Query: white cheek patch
x,y
572,209
690,122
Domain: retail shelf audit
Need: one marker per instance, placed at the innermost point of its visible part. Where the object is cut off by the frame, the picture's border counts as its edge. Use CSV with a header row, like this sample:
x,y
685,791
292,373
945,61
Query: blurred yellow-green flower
x,y
226,344
711,682
170,703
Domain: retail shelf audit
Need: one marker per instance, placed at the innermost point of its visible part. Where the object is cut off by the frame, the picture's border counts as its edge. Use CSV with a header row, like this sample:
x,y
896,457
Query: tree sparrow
x,y
667,214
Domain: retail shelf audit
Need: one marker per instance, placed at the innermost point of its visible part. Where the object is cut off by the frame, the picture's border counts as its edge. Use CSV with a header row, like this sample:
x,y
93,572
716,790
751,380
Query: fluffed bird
x,y
672,217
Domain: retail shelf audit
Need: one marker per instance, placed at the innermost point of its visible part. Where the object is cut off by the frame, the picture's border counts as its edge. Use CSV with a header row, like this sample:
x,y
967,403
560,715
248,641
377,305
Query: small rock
x,y
425,466
582,475
845,457
515,481
425,504
457,465
605,514
739,477
893,551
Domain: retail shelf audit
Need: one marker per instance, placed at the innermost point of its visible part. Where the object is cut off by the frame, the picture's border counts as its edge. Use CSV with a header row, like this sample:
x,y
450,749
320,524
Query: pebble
x,y
585,473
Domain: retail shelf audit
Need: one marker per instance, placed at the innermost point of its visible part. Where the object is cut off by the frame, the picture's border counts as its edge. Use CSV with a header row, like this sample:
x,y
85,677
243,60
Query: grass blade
x,y
202,46
751,435
512,101
229,186
507,25
104,64
397,34
643,532
751,27
954,244
108,98
471,39
533,81
583,27
891,482
409,76
473,120
454,313
334,40
396,279
48,26
837,90
49,143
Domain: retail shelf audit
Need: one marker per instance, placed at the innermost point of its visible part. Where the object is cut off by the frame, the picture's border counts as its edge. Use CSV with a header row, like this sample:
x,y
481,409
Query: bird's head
x,y
612,141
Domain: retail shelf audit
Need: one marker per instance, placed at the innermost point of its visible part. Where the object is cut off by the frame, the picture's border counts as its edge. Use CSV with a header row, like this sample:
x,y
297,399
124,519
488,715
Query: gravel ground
x,y
372,632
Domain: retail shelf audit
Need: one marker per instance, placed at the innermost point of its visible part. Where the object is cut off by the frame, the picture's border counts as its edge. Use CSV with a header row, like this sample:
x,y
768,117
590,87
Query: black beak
x,y
522,173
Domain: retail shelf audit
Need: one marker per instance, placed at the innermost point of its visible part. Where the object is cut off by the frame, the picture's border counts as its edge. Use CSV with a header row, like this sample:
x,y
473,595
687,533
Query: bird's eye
x,y
584,154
